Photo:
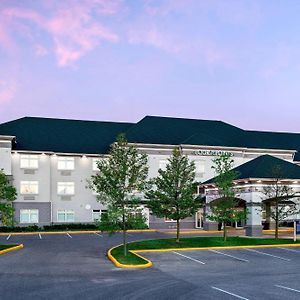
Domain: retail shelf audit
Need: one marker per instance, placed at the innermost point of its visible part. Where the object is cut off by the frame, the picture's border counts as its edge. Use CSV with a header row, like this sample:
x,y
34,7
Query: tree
x,y
117,183
225,209
8,194
277,196
172,192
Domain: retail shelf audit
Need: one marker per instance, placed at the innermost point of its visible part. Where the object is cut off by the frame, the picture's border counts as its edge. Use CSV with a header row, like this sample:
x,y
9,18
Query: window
x,y
65,163
29,215
29,187
169,220
95,167
163,164
65,188
200,167
65,216
29,161
97,213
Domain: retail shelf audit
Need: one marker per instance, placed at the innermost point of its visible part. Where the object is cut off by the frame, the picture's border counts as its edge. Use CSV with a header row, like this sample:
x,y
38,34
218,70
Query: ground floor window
x,y
29,215
65,216
169,220
199,219
96,216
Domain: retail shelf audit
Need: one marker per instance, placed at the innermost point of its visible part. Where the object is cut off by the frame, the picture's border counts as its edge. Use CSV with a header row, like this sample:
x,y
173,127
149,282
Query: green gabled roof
x,y
265,166
74,136
176,131
274,140
60,135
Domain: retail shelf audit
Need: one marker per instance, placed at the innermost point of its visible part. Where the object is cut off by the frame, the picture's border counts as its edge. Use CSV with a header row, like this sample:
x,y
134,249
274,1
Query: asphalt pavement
x,y
74,266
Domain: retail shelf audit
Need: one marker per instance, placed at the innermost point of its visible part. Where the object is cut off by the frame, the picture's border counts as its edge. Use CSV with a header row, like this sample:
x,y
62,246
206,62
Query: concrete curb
x,y
150,264
125,266
21,246
70,232
193,232
215,248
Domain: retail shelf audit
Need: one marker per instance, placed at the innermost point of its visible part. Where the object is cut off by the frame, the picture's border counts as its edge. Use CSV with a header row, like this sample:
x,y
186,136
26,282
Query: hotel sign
x,y
211,152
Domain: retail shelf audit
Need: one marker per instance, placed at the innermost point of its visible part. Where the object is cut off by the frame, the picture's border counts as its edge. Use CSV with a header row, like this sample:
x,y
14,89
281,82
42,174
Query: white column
x,y
254,219
208,224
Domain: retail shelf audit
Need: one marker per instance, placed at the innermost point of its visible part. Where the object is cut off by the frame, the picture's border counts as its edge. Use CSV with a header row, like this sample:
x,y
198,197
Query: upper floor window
x,y
65,188
95,166
65,163
29,187
200,167
29,161
163,164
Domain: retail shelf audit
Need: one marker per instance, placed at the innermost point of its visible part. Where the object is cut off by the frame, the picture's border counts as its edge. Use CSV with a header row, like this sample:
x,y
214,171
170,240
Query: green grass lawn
x,y
3,247
193,242
130,259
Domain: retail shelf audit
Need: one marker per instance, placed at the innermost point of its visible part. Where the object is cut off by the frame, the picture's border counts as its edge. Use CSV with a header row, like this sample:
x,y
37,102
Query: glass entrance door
x,y
199,219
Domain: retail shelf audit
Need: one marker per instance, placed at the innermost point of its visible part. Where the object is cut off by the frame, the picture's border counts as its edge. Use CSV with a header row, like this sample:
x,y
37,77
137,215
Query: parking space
x,y
75,266
263,273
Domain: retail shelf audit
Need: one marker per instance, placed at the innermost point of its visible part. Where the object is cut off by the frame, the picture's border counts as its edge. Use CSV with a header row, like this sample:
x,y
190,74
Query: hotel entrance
x,y
199,219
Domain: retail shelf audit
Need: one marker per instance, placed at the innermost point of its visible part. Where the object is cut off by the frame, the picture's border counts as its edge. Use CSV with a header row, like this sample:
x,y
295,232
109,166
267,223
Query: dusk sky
x,y
236,61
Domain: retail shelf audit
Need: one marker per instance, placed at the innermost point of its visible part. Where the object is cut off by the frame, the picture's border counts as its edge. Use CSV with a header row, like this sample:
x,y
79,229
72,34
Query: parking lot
x,y
74,266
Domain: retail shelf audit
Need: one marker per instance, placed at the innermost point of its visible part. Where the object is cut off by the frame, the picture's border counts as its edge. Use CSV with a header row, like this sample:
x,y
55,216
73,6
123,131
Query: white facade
x,y
52,187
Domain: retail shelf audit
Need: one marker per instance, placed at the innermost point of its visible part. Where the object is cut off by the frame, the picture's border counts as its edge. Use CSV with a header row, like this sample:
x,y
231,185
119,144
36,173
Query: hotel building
x,y
49,161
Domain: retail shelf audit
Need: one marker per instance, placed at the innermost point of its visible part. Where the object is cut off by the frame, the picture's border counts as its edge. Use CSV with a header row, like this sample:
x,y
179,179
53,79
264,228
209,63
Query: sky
x,y
118,60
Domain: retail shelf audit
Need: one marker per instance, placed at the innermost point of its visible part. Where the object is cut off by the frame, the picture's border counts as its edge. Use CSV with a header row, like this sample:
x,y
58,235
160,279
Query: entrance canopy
x,y
265,168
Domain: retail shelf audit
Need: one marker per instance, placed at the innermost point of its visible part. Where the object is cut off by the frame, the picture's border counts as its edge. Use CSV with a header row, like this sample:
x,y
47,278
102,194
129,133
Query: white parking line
x,y
228,293
264,253
98,234
69,235
40,236
287,288
8,237
237,258
287,249
193,259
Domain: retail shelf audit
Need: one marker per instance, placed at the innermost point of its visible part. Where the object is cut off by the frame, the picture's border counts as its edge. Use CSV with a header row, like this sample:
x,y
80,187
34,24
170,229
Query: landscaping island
x,y
8,248
200,243
4,247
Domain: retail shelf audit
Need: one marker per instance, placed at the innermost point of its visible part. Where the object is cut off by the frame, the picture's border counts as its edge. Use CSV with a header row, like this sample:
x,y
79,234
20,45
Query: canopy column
x,y
208,224
254,219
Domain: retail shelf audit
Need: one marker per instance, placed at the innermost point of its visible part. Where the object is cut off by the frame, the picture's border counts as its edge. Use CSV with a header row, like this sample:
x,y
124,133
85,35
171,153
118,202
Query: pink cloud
x,y
155,38
7,91
74,33
73,27
40,50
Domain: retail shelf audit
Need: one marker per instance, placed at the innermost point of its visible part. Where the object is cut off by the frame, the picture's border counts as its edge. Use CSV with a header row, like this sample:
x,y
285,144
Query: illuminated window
x,y
163,164
95,166
29,187
29,215
29,161
65,163
200,168
169,220
65,188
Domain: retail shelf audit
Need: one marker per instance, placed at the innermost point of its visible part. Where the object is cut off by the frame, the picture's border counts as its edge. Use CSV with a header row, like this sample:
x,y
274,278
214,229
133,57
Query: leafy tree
x,y
172,192
8,194
225,209
112,220
119,179
278,196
